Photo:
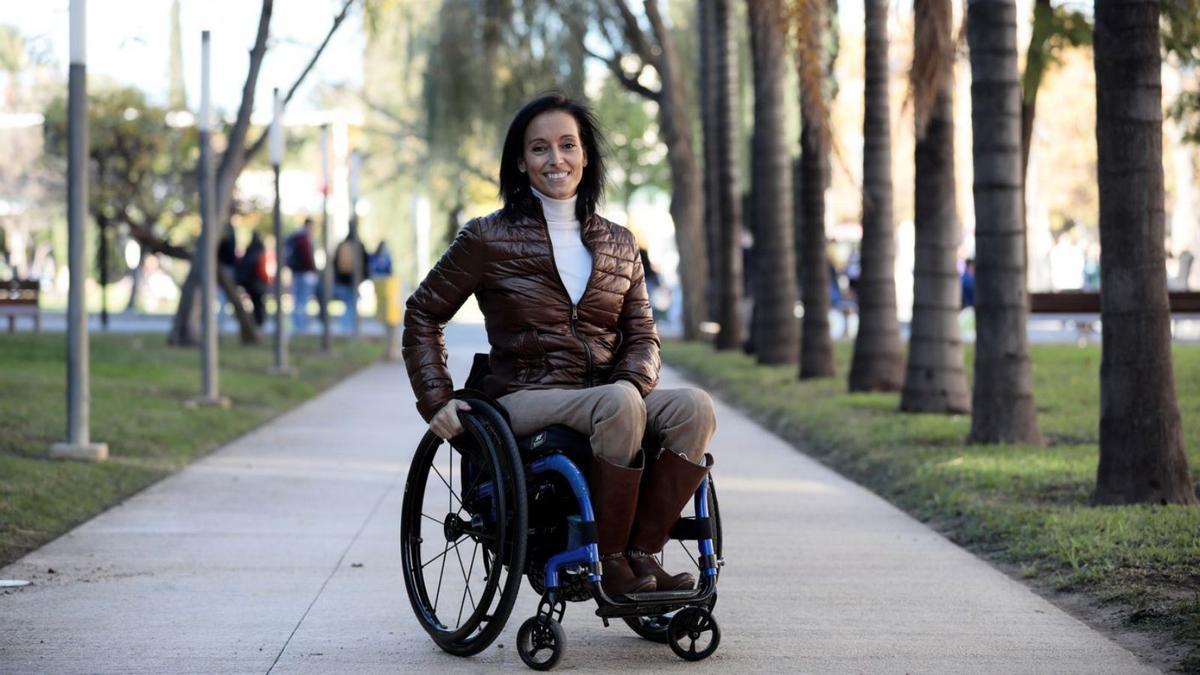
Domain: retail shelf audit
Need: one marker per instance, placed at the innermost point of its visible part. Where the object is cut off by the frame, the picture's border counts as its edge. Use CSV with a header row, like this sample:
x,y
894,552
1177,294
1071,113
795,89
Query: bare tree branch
x,y
337,21
635,36
233,155
628,81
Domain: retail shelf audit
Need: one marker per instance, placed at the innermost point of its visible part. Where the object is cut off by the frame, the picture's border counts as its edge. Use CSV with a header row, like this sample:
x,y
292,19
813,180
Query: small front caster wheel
x,y
693,634
541,642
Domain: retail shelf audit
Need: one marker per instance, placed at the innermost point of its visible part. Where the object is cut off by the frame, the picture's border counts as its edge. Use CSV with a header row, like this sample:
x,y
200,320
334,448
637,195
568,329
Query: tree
x,y
934,380
878,362
727,256
1142,458
816,49
776,332
1003,409
655,49
233,161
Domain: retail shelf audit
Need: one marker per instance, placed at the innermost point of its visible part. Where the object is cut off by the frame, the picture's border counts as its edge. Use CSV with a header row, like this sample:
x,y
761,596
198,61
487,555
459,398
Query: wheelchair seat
x,y
556,437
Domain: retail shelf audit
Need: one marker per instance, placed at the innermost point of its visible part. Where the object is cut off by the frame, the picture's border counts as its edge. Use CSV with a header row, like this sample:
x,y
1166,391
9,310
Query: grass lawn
x,y
1022,506
138,386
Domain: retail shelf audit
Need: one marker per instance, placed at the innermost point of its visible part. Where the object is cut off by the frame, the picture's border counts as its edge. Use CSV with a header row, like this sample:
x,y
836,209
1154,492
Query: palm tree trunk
x,y
728,254
708,88
935,380
878,363
776,330
1142,459
1003,409
687,196
816,349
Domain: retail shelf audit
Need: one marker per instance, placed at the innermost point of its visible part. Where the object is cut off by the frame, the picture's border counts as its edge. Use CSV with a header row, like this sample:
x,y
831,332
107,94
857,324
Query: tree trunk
x,y
934,380
878,363
776,331
1003,409
707,80
728,196
1142,458
687,197
816,350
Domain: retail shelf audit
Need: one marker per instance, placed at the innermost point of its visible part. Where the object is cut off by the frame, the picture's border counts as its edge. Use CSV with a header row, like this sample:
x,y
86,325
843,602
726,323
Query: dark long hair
x,y
514,185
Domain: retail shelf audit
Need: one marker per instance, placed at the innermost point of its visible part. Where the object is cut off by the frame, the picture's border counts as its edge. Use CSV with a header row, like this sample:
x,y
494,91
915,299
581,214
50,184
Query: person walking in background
x,y
968,283
343,276
227,263
387,297
252,276
300,260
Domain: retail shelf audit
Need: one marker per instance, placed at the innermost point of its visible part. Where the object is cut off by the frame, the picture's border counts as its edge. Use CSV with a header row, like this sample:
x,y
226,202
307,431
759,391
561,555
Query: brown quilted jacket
x,y
539,340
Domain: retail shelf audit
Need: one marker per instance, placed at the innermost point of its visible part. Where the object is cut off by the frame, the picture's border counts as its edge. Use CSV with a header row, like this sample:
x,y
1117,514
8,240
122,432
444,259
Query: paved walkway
x,y
280,553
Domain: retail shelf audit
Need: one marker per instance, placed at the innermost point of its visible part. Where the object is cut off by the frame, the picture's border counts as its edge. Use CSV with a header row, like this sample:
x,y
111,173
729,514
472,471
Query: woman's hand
x,y
445,423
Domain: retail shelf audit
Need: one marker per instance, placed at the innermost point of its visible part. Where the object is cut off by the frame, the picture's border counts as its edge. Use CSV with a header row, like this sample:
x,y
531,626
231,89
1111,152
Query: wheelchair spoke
x,y
426,515
466,584
449,547
441,574
453,494
689,553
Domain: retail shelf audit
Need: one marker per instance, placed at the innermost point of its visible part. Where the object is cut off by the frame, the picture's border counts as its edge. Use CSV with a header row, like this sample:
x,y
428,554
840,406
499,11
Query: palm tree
x,y
707,88
728,254
1003,406
935,380
776,332
1142,459
878,363
816,350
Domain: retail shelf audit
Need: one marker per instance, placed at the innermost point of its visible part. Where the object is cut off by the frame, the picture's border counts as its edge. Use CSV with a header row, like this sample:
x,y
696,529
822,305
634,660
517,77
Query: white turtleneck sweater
x,y
573,259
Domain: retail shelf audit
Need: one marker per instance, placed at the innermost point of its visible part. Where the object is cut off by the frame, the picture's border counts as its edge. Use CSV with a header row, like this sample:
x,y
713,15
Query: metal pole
x,y
281,365
356,240
209,363
326,269
78,445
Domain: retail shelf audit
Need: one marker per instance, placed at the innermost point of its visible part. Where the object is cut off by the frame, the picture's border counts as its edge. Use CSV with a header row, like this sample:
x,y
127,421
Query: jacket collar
x,y
528,205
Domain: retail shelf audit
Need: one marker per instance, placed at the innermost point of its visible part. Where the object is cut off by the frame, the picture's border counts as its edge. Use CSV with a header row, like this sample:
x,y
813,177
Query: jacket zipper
x,y
587,380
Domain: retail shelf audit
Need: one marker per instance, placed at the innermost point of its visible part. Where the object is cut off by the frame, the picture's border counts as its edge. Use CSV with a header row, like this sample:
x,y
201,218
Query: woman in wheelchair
x,y
572,337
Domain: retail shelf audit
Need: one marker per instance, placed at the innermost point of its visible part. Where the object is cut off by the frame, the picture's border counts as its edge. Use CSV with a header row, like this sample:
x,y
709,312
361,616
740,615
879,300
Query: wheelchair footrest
x,y
659,596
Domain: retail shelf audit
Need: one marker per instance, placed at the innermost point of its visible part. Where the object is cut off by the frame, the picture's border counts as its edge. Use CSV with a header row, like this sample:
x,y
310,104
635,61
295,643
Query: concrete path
x,y
280,553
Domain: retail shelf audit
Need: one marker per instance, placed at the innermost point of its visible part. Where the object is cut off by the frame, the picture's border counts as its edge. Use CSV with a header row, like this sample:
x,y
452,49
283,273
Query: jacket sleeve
x,y
638,361
447,286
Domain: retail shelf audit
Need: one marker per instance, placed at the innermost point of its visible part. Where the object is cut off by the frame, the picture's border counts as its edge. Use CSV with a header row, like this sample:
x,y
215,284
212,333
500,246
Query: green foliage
x,y
637,158
139,386
143,177
1054,29
1023,506
1181,43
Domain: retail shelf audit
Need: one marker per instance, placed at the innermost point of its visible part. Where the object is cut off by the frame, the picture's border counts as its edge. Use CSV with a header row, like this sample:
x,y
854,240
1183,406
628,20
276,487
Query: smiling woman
x,y
573,339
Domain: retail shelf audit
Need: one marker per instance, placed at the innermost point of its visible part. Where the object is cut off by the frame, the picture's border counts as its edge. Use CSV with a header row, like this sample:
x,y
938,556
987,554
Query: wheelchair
x,y
486,509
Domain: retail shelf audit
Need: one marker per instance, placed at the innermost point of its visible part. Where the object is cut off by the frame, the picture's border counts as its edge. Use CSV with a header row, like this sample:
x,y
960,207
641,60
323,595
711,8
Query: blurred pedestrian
x,y
968,283
349,252
252,276
303,265
227,263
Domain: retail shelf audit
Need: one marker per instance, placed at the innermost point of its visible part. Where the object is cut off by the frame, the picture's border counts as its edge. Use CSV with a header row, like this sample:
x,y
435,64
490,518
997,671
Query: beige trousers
x,y
616,417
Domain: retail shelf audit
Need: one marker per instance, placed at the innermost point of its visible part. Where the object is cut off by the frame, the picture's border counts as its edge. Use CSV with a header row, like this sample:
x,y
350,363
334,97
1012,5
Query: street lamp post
x,y
281,356
78,445
209,361
326,268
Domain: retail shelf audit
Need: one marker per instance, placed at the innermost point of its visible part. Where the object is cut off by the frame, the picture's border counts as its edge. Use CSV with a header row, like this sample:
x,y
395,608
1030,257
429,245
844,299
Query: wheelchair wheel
x,y
693,634
541,642
462,530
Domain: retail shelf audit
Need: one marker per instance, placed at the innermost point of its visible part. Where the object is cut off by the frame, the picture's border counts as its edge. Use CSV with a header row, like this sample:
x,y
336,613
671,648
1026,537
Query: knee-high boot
x,y
614,499
672,482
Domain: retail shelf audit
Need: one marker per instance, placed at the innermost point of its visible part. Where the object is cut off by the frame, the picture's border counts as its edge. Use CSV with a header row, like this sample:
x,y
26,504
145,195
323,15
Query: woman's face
x,y
553,155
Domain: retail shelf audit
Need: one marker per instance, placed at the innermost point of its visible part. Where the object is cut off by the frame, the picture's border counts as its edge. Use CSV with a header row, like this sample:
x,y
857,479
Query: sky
x,y
129,42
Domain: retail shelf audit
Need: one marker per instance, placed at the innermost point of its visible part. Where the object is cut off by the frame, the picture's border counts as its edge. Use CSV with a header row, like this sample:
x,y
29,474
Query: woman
x,y
573,340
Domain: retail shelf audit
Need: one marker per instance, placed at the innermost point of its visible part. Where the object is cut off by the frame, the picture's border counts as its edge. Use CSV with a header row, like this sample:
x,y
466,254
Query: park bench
x,y
1082,308
20,298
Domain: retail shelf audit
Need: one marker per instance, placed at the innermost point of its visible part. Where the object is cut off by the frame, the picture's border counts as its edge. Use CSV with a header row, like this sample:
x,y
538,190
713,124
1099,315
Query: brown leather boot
x,y
614,499
672,483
